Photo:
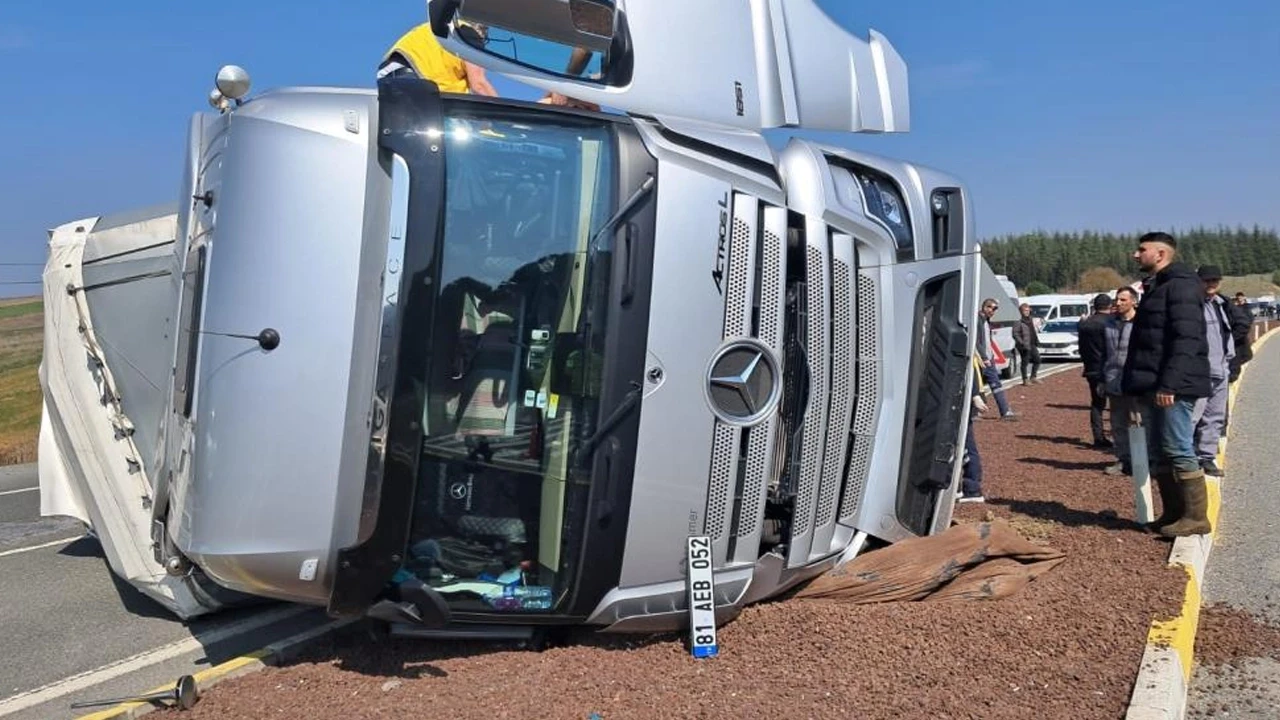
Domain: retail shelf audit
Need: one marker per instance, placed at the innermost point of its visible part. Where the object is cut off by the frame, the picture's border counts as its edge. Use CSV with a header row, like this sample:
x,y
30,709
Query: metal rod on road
x,y
184,695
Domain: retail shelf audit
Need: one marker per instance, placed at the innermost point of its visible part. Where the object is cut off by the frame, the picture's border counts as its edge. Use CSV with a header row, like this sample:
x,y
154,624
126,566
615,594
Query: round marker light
x,y
233,82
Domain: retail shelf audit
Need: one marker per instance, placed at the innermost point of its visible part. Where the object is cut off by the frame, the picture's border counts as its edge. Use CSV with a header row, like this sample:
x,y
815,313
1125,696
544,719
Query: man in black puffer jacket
x,y
1168,369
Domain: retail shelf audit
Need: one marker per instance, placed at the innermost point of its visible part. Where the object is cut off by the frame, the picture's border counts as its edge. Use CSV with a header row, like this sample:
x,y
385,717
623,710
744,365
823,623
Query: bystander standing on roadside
x,y
1093,344
1119,326
1167,369
990,374
1026,342
1241,331
1210,413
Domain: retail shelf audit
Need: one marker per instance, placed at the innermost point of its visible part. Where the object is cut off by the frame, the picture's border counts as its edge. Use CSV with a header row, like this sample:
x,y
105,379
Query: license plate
x,y
702,598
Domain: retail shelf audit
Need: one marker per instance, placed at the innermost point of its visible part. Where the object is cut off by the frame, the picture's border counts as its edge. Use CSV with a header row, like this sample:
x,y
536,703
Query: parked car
x,y
1060,340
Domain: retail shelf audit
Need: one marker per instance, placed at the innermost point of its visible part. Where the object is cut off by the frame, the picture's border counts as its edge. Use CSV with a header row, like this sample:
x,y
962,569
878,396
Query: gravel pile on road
x,y
1228,634
1068,646
1237,671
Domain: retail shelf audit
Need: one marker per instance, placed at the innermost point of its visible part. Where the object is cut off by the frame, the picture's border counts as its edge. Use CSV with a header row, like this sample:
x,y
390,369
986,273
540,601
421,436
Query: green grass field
x,y
21,340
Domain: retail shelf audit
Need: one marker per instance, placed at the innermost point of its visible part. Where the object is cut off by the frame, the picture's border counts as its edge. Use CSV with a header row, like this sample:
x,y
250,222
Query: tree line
x,y
1063,262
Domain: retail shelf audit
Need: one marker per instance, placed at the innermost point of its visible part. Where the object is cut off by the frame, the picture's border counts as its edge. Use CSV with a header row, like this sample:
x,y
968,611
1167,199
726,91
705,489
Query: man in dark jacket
x,y
1241,328
1092,335
1168,369
1026,340
1119,325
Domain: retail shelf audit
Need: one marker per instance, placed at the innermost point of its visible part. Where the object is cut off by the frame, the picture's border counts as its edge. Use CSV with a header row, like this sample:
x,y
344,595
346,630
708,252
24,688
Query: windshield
x,y
1062,326
513,368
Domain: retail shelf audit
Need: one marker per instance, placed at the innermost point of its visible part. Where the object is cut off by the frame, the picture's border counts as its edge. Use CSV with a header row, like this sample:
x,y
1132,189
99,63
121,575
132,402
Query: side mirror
x,y
567,38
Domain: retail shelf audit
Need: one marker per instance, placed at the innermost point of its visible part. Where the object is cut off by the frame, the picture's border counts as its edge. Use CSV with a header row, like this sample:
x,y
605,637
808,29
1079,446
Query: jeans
x,y
1030,358
991,376
1171,436
972,476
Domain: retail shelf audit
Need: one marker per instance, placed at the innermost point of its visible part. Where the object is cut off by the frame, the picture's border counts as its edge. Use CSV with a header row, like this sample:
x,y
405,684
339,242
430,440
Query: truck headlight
x,y
885,203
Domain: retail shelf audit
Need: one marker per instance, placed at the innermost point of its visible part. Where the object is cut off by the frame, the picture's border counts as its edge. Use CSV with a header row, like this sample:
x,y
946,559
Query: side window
x,y
189,328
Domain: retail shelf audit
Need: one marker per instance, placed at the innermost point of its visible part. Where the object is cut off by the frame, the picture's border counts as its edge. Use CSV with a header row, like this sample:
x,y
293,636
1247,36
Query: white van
x,y
1046,308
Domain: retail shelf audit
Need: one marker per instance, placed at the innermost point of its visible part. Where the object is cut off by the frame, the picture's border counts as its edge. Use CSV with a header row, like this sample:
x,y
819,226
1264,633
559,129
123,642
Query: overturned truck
x,y
471,364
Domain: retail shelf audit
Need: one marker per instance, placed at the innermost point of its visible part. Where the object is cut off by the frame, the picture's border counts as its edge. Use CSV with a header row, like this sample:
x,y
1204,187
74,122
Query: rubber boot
x,y
1172,504
1195,520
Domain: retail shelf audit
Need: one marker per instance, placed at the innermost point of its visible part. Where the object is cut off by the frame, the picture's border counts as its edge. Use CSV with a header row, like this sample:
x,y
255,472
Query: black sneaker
x,y
1210,468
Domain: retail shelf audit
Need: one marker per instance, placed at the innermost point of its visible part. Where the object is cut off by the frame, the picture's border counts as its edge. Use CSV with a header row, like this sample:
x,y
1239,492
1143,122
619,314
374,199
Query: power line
x,y
21,282
13,264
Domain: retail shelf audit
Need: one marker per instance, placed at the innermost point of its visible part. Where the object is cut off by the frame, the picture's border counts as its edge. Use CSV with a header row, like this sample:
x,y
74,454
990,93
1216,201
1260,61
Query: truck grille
x,y
818,451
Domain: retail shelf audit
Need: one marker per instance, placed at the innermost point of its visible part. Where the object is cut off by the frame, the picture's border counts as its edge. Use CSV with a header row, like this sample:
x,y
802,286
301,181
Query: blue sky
x,y
1110,115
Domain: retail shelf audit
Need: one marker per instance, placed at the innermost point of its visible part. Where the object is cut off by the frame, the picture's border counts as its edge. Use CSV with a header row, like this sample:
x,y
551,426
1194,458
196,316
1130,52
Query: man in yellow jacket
x,y
419,53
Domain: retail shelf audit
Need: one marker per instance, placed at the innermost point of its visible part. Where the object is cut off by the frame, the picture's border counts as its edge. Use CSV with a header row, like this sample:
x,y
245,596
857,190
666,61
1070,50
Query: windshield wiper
x,y
604,504
627,208
629,402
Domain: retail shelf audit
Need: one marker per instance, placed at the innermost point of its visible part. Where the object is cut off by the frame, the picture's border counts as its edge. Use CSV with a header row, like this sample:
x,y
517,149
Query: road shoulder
x,y
1165,675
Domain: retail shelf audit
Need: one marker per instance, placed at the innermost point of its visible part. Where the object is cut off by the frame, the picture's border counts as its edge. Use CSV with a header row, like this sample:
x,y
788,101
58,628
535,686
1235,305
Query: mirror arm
x,y
442,13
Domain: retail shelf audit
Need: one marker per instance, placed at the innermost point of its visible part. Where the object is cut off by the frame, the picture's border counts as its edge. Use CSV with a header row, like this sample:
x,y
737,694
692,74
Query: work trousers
x,y
1121,406
991,376
1030,361
1210,418
1097,406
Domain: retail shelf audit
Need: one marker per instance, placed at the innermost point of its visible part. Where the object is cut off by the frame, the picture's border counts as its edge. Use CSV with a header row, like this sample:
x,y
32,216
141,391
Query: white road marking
x,y
19,490
49,544
75,683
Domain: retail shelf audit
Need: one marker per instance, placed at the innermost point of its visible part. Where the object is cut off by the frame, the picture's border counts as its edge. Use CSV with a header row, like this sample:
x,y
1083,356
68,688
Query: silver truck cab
x,y
460,362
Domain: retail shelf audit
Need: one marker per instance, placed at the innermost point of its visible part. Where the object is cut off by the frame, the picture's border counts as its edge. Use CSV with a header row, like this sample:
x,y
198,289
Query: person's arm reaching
x,y
478,82
577,63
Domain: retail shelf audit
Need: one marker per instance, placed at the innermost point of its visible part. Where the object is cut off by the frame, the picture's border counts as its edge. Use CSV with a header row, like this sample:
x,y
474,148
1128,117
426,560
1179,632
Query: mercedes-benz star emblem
x,y
743,386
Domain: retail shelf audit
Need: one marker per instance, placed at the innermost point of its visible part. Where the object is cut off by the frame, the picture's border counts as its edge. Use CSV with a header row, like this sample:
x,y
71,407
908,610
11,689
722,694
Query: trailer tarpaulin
x,y
983,561
89,466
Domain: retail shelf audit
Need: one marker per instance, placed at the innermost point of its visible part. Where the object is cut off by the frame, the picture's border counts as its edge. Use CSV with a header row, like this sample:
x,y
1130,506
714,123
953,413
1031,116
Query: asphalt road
x,y
71,631
1244,568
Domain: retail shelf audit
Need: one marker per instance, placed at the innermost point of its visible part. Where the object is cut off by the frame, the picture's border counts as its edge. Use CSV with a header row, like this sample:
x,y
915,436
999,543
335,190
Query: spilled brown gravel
x,y
1068,646
1228,635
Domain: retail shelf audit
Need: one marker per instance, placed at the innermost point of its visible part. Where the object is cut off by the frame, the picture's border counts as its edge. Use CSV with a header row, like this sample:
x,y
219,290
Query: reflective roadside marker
x,y
702,598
